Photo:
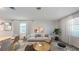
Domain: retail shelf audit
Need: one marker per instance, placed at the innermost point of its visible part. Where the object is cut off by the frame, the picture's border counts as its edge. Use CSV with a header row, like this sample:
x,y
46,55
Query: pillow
x,y
38,35
46,35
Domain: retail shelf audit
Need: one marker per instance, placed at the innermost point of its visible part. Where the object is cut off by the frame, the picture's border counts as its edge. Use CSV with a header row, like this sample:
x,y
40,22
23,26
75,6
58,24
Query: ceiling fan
x,y
38,8
13,8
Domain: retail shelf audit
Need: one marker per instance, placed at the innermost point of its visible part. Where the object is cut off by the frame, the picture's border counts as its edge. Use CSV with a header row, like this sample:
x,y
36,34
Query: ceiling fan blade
x,y
13,8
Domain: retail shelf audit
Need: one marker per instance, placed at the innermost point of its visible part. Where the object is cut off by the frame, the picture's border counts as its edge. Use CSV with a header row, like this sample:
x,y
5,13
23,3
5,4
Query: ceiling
x,y
31,13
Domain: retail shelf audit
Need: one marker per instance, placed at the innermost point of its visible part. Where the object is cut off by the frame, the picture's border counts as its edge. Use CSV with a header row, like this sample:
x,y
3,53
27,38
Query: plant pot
x,y
56,38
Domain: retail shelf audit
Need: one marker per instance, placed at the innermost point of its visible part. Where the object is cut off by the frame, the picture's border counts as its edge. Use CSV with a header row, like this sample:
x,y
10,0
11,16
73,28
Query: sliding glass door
x,y
70,30
75,32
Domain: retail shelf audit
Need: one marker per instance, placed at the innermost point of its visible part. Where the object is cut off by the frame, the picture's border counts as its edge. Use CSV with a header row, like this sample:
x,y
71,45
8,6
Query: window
x,y
22,27
75,27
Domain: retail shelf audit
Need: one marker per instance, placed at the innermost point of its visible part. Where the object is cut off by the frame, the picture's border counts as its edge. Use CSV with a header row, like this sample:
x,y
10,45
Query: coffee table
x,y
41,46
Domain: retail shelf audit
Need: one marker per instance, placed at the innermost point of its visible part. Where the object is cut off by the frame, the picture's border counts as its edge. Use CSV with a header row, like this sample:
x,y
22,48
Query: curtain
x,y
70,30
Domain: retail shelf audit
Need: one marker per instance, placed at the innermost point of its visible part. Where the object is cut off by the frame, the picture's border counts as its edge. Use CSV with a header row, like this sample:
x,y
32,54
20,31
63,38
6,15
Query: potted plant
x,y
57,33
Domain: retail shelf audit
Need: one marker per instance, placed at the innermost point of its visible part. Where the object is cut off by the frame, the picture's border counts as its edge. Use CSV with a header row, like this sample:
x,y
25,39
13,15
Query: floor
x,y
54,46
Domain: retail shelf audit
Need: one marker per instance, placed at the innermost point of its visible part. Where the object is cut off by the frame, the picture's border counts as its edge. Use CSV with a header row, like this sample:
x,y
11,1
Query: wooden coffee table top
x,y
41,46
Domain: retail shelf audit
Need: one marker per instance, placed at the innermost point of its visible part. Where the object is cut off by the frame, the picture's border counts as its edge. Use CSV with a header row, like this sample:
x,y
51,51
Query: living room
x,y
36,27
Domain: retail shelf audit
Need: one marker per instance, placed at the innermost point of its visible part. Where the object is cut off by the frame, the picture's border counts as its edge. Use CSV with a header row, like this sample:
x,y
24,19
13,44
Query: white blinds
x,y
75,27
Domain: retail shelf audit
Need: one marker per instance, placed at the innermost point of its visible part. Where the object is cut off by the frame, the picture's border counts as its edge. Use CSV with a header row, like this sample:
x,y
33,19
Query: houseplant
x,y
57,33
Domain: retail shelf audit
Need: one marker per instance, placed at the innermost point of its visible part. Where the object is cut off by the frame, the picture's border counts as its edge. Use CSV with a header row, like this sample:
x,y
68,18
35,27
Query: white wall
x,y
47,25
